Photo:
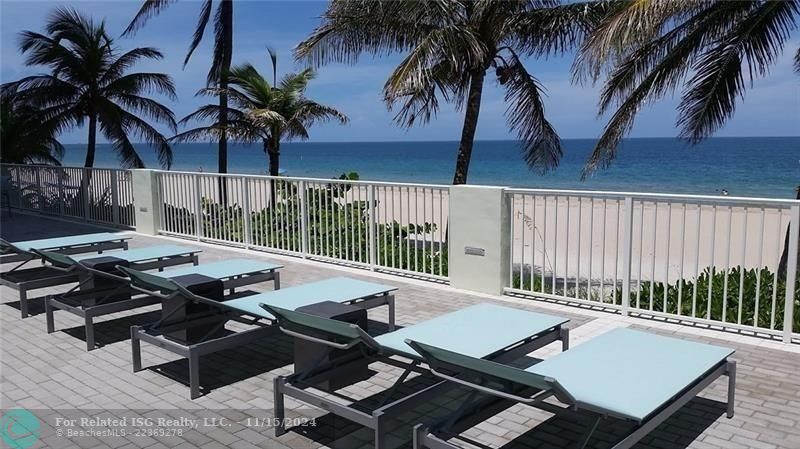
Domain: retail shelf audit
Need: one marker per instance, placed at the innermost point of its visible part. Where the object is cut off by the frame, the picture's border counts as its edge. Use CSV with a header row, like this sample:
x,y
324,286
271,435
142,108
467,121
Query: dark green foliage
x,y
337,228
725,308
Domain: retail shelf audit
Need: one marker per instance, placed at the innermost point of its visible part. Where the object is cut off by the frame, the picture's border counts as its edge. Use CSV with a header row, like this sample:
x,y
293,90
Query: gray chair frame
x,y
92,303
298,385
263,327
26,279
437,435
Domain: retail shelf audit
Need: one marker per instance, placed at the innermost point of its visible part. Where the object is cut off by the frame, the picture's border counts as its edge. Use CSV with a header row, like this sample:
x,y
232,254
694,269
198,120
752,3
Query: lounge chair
x,y
103,291
25,279
73,244
483,331
245,310
625,374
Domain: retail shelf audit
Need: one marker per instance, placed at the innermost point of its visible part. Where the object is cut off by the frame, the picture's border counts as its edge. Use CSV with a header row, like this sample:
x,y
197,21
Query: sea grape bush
x,y
677,298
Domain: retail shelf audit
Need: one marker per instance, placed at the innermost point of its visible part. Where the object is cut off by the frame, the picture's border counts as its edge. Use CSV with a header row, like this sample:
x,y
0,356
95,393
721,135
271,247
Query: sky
x,y
771,107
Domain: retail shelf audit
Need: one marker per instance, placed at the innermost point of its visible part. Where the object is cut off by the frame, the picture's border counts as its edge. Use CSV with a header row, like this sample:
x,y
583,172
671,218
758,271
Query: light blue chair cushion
x,y
72,240
340,289
143,254
478,331
631,373
223,269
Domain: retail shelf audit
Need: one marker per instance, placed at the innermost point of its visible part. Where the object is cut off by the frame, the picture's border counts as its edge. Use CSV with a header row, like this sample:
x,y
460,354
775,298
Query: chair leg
x,y
731,387
194,375
564,339
136,349
23,302
280,413
49,316
380,432
89,326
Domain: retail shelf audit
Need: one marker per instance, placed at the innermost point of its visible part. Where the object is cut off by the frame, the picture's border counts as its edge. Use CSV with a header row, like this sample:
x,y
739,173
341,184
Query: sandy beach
x,y
581,237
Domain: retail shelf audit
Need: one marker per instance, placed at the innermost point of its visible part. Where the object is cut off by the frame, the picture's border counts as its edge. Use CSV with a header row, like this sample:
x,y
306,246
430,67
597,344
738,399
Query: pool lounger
x,y
608,376
484,331
113,294
246,310
24,279
73,244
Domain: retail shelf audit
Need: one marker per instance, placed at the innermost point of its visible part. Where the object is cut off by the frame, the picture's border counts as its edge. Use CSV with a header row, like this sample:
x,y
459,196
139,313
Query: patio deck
x,y
54,377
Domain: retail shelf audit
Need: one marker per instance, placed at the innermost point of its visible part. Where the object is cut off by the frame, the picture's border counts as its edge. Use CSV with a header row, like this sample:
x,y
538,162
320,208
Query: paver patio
x,y
54,377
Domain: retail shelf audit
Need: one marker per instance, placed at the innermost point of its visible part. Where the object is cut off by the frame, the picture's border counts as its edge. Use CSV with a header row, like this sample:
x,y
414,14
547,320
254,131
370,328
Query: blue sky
x,y
771,107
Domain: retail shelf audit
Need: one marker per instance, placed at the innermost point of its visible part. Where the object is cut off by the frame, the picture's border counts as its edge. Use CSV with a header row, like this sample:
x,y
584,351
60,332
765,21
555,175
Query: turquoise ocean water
x,y
753,166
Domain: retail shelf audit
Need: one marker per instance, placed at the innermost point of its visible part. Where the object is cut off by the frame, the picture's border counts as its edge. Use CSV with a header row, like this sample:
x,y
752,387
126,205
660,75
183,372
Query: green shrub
x,y
335,229
753,283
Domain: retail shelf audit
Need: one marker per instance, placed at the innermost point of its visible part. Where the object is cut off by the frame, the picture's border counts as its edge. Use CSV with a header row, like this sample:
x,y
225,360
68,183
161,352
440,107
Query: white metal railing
x,y
711,260
95,194
388,226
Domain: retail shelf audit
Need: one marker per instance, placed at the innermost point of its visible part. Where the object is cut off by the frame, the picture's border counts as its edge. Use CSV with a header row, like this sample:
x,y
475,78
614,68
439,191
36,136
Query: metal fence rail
x,y
711,260
388,226
94,194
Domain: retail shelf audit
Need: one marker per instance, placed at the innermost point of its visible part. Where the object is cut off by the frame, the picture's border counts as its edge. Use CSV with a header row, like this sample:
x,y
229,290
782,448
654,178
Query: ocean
x,y
750,166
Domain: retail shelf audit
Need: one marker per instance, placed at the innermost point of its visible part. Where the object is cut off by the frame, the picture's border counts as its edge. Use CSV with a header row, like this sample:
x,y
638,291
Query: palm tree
x,y
706,50
263,112
450,46
90,81
25,137
221,62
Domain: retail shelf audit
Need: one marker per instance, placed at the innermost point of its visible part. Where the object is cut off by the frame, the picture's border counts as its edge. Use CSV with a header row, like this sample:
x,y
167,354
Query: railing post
x,y
373,251
480,244
146,200
627,254
246,212
61,195
85,192
301,194
198,217
114,198
39,196
791,273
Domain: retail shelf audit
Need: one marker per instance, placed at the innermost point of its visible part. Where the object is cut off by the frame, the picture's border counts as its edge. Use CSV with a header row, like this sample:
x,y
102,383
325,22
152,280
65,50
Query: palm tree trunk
x,y
273,151
91,146
274,159
226,10
470,125
784,262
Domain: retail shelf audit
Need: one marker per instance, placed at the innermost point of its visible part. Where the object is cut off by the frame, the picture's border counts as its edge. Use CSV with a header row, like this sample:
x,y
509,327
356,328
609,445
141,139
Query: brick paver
x,y
56,379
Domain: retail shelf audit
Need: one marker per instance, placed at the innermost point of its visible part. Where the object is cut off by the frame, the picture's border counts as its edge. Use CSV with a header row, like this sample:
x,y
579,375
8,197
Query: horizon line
x,y
451,140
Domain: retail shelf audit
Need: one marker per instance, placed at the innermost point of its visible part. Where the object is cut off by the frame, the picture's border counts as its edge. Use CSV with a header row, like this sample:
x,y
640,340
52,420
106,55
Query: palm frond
x,y
149,108
142,82
127,60
555,29
797,61
353,27
149,9
719,81
199,30
541,146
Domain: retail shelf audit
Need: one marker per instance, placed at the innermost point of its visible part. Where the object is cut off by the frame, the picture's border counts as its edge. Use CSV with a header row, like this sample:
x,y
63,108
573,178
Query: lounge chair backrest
x,y
9,248
484,373
316,327
57,259
149,282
